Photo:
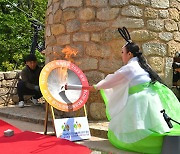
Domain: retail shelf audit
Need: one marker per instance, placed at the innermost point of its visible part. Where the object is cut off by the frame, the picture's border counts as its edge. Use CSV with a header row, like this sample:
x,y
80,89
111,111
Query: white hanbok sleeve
x,y
115,87
121,76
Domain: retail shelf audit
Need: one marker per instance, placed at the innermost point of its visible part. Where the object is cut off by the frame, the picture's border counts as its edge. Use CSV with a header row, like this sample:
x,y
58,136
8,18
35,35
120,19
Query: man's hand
x,y
36,88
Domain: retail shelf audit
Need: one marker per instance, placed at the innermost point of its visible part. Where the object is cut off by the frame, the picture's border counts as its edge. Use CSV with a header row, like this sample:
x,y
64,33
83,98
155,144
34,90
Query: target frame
x,y
53,101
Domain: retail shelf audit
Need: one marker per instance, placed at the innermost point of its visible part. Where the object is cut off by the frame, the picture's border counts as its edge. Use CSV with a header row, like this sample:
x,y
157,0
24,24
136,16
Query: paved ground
x,y
32,118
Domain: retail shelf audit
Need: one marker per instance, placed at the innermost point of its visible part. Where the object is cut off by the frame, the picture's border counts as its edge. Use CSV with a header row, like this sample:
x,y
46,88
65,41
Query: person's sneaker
x,y
35,101
21,104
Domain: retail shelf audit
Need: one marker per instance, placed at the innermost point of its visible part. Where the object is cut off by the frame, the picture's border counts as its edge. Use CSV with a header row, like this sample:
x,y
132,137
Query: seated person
x,y
29,83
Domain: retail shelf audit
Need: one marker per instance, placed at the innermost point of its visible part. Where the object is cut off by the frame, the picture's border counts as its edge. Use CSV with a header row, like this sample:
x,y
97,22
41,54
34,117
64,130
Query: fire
x,y
69,52
62,72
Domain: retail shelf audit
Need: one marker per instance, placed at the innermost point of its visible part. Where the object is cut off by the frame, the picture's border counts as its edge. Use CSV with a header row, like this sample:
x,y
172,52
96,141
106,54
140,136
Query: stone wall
x,y
7,79
91,27
8,88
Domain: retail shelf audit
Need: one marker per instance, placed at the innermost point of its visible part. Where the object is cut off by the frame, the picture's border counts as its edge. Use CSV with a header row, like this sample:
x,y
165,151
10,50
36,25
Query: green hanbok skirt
x,y
140,126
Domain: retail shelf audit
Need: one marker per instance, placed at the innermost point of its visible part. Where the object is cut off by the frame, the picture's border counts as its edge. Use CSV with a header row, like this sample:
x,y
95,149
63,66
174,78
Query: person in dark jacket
x,y
29,83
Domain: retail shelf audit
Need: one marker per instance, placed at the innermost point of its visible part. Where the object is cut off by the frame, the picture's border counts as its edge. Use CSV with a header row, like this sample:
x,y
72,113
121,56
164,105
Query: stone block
x,y
57,49
81,37
94,97
48,31
57,29
50,41
173,47
175,4
54,1
140,2
88,63
179,25
49,3
9,75
118,2
168,72
133,11
94,76
151,13
50,19
56,6
94,26
107,13
171,25
49,10
73,25
63,39
3,90
7,83
96,37
164,14
142,35
157,63
87,14
57,17
71,3
160,3
177,36
166,36
154,48
97,3
116,46
109,65
48,50
52,57
96,50
155,25
128,23
110,34
69,14
97,111
174,14
1,76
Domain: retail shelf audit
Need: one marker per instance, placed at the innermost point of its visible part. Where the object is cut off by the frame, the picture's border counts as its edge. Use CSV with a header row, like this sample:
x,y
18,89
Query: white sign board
x,y
72,129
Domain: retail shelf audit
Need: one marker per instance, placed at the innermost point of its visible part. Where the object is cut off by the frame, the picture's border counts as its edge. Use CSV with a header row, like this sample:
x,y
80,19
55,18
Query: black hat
x,y
30,57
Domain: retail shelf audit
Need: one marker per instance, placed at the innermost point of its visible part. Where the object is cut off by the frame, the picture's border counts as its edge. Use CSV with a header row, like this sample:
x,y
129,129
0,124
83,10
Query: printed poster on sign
x,y
73,129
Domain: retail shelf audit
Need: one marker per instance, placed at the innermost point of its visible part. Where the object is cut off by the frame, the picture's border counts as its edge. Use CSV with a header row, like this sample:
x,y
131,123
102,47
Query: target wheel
x,y
52,81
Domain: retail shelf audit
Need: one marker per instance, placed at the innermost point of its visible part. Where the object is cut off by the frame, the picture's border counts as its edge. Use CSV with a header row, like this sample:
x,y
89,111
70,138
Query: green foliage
x,y
16,32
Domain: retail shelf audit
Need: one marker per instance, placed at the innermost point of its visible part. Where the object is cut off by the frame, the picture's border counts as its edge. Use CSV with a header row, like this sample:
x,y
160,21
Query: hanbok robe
x,y
133,107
